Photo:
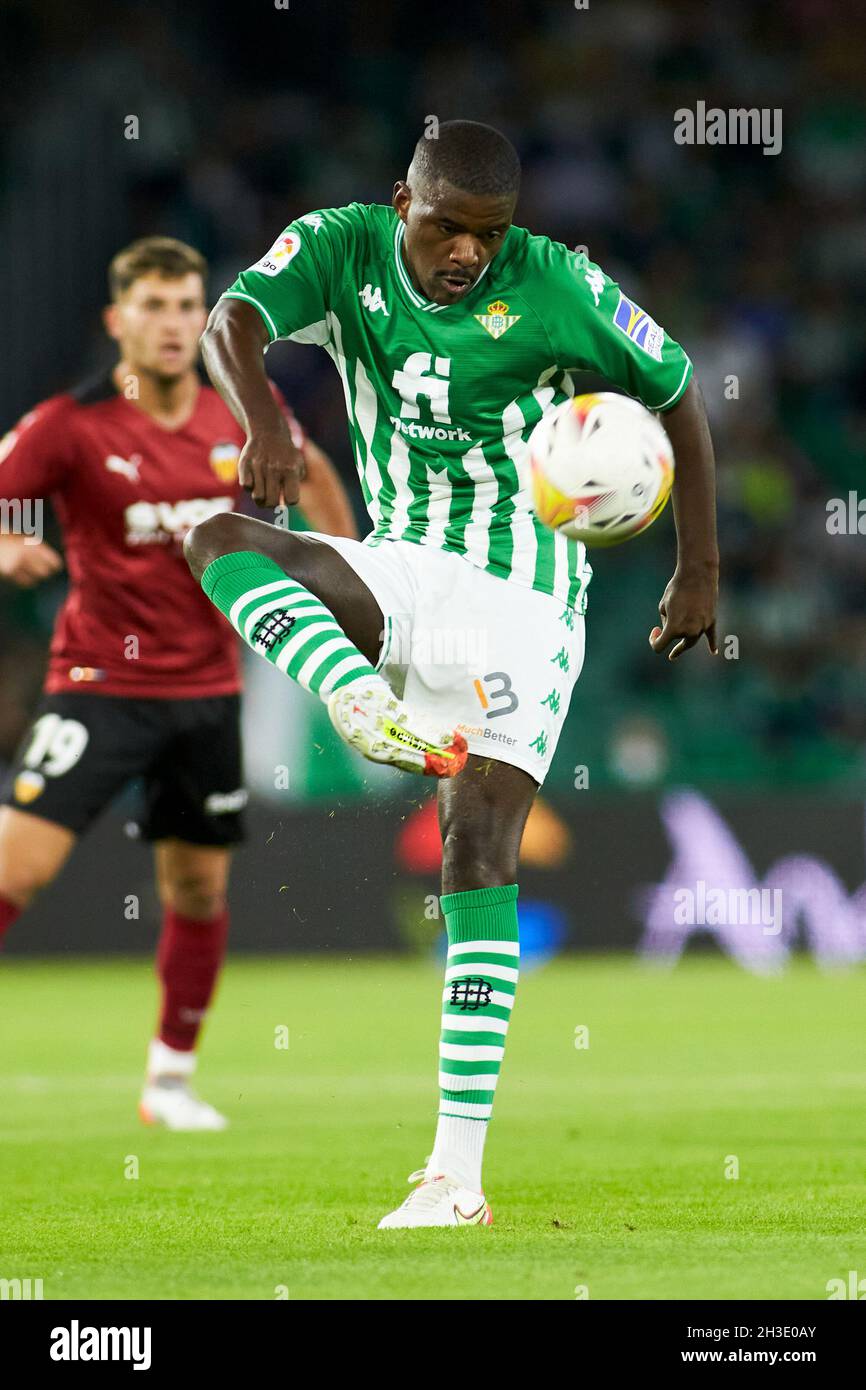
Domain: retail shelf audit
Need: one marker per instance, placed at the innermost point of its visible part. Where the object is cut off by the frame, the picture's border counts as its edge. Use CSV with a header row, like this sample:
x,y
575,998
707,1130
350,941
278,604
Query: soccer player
x,y
453,332
143,677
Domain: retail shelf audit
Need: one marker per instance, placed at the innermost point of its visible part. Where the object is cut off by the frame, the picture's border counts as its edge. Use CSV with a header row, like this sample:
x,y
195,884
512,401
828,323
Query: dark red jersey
x,y
126,490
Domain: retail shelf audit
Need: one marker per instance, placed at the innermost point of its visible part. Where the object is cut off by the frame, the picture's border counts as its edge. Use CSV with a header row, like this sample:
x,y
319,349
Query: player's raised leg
x,y
298,603
481,818
192,881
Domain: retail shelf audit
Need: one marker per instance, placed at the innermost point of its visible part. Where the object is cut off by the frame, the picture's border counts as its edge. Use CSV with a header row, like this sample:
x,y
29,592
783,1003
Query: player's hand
x,y
688,612
270,468
27,564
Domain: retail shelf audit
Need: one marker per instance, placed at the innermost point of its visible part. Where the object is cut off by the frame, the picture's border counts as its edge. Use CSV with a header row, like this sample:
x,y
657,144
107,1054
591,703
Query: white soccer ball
x,y
602,468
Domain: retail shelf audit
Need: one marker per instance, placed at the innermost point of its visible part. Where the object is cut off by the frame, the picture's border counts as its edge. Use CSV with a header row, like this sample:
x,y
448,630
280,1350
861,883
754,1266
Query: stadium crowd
x,y
755,262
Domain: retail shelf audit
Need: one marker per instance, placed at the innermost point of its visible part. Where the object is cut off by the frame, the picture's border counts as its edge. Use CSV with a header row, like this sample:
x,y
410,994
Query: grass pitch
x,y
606,1165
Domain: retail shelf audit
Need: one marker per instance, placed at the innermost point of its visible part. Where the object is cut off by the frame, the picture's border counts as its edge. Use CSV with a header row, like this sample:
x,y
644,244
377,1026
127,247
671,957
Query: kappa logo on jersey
x,y
314,220
595,280
497,320
223,459
637,325
156,523
128,467
372,300
284,249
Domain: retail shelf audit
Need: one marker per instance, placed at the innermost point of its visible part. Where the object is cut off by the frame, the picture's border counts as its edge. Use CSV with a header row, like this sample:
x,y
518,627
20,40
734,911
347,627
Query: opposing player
x,y
143,677
453,332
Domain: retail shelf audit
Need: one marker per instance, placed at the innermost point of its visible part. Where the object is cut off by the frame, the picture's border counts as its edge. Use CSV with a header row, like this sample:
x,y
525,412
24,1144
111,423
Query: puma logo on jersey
x,y
372,300
128,467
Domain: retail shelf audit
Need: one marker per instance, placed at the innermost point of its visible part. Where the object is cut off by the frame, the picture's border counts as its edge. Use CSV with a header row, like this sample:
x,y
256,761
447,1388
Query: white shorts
x,y
492,659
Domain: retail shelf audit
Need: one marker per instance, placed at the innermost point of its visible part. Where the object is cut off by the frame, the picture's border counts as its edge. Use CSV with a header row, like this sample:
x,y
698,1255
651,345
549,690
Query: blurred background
x,y
755,263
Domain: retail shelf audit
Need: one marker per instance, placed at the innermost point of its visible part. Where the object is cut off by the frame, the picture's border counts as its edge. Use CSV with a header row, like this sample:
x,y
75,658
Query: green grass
x,y
605,1166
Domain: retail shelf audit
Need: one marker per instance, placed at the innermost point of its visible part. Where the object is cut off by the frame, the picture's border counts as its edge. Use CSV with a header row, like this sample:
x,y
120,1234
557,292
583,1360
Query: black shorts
x,y
83,749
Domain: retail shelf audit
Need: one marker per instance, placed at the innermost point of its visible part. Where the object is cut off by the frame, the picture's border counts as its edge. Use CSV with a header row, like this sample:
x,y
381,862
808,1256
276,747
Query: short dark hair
x,y
470,156
170,258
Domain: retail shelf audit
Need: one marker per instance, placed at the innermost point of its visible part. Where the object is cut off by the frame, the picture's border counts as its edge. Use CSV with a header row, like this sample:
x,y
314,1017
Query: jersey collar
x,y
426,306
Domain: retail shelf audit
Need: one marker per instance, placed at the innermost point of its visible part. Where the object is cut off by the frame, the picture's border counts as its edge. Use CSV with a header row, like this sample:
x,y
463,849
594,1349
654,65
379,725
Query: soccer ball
x,y
602,468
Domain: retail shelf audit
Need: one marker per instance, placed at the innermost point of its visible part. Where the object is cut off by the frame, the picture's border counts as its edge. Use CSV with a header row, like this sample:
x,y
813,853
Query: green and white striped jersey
x,y
442,399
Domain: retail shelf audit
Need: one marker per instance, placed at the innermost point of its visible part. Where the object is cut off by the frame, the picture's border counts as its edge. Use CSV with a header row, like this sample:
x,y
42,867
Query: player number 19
x,y
57,744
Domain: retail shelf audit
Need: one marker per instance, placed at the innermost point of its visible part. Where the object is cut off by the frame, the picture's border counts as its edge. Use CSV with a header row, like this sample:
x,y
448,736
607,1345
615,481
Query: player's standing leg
x,y
482,814
192,882
32,853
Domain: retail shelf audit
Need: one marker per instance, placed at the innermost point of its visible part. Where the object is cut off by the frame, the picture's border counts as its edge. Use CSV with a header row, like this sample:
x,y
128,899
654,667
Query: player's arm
x,y
595,326
285,294
324,500
688,605
33,458
26,562
233,345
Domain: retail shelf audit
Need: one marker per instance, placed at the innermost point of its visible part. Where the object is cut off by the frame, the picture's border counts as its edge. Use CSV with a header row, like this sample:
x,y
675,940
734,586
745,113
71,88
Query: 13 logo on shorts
x,y
489,695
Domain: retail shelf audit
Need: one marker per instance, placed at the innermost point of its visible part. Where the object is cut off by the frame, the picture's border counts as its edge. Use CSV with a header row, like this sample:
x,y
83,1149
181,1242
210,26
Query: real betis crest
x,y
497,320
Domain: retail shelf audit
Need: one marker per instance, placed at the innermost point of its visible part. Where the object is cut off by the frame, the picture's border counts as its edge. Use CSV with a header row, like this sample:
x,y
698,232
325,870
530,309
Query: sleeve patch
x,y
637,325
284,249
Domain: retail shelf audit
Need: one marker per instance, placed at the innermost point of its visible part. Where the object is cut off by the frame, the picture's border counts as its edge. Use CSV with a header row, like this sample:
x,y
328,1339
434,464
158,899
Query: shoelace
x,y
423,727
429,1194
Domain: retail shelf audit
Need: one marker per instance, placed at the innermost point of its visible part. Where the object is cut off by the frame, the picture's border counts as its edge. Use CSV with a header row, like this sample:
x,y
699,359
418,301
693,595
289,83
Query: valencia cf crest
x,y
28,785
224,462
497,320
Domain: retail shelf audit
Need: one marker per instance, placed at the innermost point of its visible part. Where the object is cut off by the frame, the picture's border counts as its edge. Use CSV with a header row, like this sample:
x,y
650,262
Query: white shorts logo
x,y
223,803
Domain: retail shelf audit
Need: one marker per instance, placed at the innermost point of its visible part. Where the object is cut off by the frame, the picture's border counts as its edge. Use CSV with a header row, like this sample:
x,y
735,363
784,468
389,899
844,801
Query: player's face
x,y
158,322
451,237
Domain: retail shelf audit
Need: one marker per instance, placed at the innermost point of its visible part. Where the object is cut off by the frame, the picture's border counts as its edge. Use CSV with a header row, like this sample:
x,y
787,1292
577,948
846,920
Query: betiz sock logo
x,y
471,992
272,628
77,1343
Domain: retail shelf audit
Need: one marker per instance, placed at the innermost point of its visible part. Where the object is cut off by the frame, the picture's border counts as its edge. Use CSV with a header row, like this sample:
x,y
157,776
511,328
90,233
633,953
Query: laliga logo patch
x,y
497,320
284,249
224,461
636,324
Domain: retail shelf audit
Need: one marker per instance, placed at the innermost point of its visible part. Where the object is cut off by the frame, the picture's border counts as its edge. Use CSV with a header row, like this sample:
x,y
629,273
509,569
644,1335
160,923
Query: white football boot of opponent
x,y
368,716
439,1201
168,1099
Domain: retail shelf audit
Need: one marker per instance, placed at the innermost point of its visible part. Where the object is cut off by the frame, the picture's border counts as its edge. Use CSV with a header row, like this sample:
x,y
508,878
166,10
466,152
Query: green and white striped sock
x,y
284,622
480,981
